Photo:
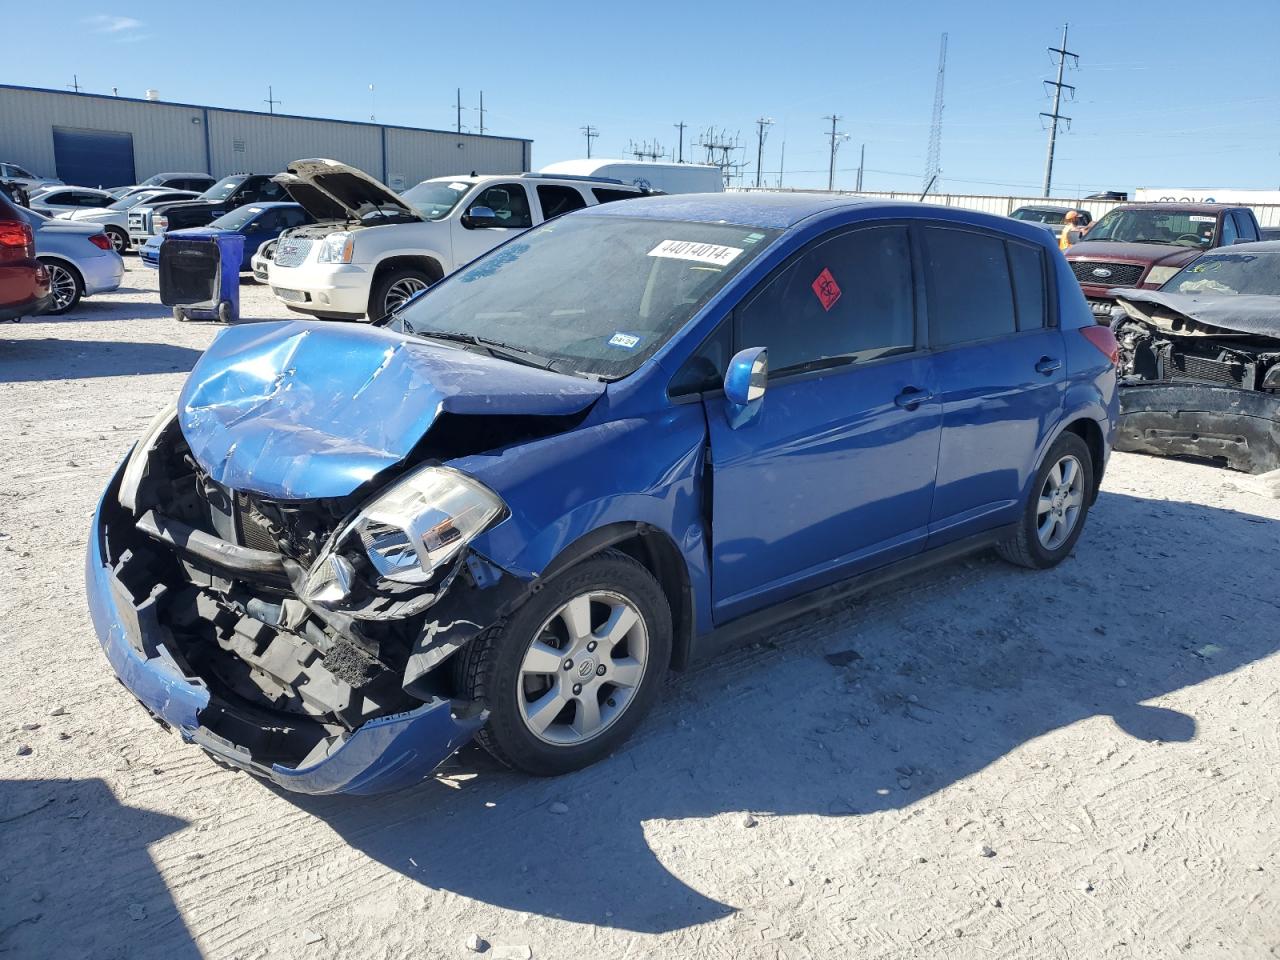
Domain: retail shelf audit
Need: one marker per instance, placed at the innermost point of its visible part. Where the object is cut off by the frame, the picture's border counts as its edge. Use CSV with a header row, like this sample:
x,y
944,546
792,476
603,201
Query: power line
x,y
836,139
646,150
762,128
933,164
1058,86
590,133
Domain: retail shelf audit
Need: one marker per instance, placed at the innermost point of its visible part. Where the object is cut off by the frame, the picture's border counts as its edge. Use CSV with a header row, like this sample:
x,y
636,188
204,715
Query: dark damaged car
x,y
617,442
1200,361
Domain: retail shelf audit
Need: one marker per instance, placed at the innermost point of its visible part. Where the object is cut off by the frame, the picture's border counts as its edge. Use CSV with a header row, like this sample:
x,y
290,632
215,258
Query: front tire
x,y
570,675
394,289
1054,515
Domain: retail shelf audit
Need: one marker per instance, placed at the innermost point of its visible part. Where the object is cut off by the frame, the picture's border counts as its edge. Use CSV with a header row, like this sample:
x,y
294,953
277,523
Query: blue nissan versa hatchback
x,y
612,444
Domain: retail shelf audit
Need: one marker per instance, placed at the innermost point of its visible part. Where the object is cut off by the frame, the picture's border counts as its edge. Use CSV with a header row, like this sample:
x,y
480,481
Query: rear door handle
x,y
1048,365
912,397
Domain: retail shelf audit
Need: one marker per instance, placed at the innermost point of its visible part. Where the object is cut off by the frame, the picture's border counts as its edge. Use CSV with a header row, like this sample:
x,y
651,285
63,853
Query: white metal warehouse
x,y
95,140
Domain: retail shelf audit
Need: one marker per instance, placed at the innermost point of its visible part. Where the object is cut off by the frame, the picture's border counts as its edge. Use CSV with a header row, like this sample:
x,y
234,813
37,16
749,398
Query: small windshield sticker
x,y
753,238
627,340
697,252
1198,218
827,289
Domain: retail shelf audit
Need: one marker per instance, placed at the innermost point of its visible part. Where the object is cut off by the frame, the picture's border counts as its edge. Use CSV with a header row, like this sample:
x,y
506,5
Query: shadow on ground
x,y
53,359
109,903
787,733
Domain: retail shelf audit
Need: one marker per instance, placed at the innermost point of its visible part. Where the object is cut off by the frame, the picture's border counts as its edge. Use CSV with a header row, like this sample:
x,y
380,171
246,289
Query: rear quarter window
x,y
1027,266
608,195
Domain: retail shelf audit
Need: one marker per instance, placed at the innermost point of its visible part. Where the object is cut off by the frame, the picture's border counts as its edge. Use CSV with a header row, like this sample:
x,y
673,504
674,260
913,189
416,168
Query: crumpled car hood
x,y
1255,314
299,410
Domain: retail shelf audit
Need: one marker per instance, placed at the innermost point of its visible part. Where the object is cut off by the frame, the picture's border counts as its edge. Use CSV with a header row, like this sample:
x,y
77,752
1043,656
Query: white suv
x,y
372,249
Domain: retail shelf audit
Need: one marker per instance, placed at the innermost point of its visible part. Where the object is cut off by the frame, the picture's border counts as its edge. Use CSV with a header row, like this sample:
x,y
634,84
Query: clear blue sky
x,y
1169,94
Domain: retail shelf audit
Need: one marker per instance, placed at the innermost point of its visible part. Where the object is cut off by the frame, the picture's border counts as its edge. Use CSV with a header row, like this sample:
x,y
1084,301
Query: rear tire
x,y
1056,509
394,288
601,678
119,239
66,283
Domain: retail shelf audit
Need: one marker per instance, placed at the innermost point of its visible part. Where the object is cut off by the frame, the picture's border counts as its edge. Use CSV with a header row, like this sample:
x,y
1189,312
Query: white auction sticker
x,y
1196,218
697,252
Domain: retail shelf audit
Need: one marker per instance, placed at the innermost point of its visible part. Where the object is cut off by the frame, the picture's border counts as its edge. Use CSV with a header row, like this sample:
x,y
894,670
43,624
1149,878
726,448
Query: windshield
x,y
435,198
1156,226
1039,216
591,295
222,189
157,180
236,218
1229,273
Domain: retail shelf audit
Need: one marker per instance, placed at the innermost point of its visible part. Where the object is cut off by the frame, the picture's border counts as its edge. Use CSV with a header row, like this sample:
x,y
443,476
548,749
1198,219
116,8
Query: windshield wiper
x,y
496,348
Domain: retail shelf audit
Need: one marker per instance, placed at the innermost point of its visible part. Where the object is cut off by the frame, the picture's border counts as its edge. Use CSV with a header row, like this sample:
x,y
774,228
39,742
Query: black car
x,y
224,196
1200,360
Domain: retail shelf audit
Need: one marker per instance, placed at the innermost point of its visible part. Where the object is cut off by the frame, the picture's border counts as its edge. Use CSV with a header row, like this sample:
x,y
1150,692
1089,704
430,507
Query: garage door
x,y
93,158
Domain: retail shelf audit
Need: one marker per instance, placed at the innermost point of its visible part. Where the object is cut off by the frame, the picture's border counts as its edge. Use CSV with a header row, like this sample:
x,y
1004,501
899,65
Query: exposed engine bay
x,y
1196,388
303,622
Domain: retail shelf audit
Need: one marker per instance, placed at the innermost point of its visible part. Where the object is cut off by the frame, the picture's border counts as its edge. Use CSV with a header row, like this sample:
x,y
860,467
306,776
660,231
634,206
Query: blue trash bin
x,y
200,274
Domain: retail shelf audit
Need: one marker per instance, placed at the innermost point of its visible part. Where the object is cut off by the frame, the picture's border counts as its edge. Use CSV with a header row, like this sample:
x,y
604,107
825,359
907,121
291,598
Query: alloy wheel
x,y
63,285
583,668
1061,499
400,292
118,241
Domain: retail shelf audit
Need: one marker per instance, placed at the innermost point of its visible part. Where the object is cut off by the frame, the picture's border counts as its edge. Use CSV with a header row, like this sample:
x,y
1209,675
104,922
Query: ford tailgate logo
x,y
1101,273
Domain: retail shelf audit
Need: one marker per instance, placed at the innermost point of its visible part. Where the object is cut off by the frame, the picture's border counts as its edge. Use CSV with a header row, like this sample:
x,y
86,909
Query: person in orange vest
x,y
1066,238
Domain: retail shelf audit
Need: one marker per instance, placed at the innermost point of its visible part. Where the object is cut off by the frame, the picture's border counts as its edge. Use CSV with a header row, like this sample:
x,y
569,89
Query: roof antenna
x,y
473,173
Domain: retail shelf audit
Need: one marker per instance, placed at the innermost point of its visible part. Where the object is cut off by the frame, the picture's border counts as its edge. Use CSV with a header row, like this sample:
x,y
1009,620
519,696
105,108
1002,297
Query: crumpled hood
x,y
299,410
1249,313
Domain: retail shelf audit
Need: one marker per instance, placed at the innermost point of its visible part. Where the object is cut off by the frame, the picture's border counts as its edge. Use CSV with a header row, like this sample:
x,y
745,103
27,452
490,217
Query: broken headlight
x,y
409,531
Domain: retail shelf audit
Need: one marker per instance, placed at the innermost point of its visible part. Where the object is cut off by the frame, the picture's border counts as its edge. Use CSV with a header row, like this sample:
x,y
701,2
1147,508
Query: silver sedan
x,y
80,258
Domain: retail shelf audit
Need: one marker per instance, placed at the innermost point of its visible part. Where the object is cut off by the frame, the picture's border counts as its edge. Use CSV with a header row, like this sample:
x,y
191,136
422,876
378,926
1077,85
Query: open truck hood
x,y
329,190
300,410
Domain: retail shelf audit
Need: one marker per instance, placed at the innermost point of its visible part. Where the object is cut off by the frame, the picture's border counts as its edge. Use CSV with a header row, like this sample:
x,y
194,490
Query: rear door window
x,y
556,199
1244,226
1229,234
970,293
845,299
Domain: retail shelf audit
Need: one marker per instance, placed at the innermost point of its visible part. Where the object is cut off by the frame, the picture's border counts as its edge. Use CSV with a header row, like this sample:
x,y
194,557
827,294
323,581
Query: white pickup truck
x,y
372,249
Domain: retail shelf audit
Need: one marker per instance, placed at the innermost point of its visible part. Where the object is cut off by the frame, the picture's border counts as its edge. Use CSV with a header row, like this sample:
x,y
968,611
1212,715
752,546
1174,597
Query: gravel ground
x,y
1078,763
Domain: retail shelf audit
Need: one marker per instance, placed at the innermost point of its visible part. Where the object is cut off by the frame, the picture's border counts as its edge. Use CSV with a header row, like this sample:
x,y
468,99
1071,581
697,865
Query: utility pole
x,y
590,133
482,113
373,104
836,139
459,103
782,162
271,100
75,83
762,126
933,163
680,148
862,158
1058,86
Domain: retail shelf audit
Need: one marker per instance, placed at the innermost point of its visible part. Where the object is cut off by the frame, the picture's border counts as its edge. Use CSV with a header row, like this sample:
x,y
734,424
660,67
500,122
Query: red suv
x,y
1144,244
24,280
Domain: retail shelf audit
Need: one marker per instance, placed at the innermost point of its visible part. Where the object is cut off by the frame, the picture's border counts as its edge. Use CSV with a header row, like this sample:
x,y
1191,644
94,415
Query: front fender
x,y
644,470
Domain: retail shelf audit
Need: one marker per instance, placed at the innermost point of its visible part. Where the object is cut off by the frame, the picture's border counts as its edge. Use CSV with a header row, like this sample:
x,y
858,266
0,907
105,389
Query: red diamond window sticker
x,y
827,289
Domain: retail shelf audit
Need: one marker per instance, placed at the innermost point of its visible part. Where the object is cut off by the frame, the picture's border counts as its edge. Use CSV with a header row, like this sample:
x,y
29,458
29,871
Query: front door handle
x,y
912,397
1048,365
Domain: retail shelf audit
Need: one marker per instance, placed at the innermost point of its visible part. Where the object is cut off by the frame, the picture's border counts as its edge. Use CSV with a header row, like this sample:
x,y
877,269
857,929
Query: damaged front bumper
x,y
385,753
1176,418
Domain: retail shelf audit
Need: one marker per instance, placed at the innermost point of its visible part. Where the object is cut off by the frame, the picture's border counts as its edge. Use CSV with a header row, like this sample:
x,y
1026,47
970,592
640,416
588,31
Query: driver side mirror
x,y
745,382
479,217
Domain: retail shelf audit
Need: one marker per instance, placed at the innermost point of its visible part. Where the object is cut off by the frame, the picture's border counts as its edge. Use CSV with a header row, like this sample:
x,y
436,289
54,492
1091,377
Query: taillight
x,y
17,242
101,241
1102,338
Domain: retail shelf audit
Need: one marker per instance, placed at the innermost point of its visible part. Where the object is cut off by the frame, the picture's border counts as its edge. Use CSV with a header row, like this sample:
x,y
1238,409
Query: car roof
x,y
763,209
1258,246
